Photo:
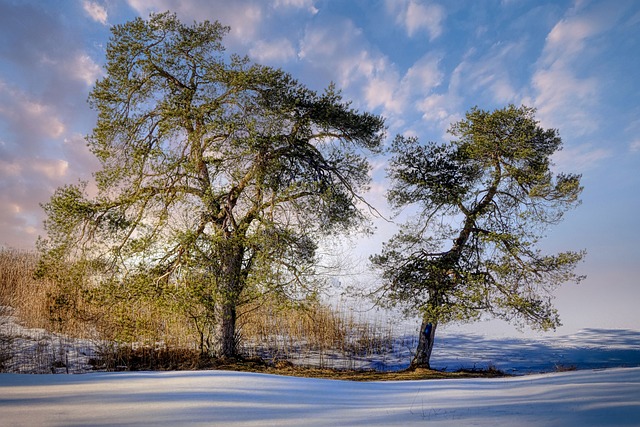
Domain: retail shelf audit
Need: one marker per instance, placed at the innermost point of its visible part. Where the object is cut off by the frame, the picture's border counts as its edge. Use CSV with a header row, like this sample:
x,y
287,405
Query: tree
x,y
483,202
218,175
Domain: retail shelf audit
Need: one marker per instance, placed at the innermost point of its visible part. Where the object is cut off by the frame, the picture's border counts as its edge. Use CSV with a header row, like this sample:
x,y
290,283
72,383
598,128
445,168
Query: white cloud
x,y
397,95
564,91
300,4
28,117
439,109
382,92
244,22
97,12
276,51
635,146
493,72
416,16
565,100
339,48
51,169
483,74
244,17
83,68
579,158
424,75
568,38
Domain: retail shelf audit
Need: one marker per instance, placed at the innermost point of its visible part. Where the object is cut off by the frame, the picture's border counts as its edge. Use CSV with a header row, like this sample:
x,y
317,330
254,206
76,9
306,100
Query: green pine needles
x,y
218,178
484,201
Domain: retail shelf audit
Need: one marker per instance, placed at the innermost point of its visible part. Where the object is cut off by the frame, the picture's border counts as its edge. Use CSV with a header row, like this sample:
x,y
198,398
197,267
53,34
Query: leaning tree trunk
x,y
425,345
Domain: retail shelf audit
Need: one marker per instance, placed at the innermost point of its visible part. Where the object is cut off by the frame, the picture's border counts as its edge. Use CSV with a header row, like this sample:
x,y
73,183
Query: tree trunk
x,y
230,283
425,345
225,330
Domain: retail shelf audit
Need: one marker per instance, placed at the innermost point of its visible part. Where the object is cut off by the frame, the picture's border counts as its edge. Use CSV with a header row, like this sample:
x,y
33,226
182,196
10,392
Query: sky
x,y
420,64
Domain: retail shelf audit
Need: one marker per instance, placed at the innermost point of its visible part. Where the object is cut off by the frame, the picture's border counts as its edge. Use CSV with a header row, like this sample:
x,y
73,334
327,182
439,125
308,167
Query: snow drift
x,y
585,398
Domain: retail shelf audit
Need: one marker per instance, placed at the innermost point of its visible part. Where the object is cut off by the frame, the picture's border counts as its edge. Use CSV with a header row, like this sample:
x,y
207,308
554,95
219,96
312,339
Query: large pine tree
x,y
483,202
218,175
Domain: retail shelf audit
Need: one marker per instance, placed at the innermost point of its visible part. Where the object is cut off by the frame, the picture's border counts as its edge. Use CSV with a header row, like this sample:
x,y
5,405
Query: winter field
x,y
579,398
603,390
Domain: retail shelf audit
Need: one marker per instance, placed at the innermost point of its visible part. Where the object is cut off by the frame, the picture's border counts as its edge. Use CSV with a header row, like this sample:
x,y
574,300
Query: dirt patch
x,y
145,360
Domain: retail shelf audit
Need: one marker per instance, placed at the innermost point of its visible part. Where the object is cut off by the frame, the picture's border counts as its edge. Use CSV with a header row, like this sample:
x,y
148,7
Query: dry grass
x,y
134,334
17,289
258,365
41,303
313,333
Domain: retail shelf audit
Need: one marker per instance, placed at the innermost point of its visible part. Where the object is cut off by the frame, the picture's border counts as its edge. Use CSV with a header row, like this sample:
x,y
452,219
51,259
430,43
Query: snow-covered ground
x,y
586,349
582,398
39,351
603,391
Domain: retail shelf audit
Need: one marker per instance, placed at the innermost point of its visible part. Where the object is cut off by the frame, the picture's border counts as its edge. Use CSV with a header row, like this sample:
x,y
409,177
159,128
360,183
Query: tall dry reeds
x,y
39,302
316,335
140,332
16,279
40,319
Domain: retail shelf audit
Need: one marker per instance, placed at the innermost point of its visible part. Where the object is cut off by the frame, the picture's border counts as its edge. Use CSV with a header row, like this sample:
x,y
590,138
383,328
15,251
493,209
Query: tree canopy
x,y
218,177
483,203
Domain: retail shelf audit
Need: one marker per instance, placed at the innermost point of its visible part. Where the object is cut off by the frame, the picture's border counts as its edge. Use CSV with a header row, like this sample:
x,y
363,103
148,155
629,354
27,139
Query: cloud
x,y
80,67
491,74
300,4
339,48
244,17
423,75
44,83
25,182
339,51
418,83
580,158
634,147
565,100
383,92
85,69
27,116
97,12
46,58
440,110
52,169
277,51
566,92
10,169
82,161
416,16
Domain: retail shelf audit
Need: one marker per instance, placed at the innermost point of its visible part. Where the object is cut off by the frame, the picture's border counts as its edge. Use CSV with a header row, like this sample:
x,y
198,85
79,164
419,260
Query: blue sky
x,y
420,64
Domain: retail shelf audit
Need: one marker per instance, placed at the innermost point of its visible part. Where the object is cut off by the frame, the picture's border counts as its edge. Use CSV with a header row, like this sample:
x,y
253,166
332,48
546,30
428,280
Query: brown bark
x,y
425,345
230,284
225,331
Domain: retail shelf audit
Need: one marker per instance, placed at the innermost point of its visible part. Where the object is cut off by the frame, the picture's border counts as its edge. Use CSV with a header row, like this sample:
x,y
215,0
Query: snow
x,y
37,351
585,398
604,390
585,349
